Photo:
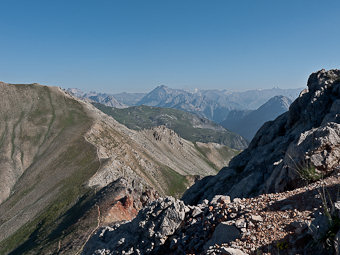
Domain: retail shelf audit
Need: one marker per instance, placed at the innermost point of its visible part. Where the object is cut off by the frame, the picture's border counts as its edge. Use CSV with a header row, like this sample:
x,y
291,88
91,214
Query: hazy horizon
x,y
192,90
135,46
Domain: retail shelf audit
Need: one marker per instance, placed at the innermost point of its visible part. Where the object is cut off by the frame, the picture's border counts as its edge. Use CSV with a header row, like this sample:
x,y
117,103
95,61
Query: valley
x,y
72,170
58,153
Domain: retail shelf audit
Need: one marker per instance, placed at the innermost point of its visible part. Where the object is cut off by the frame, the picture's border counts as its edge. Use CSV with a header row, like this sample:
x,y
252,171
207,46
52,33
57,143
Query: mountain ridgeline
x,y
279,196
67,168
247,122
76,181
187,125
302,143
214,105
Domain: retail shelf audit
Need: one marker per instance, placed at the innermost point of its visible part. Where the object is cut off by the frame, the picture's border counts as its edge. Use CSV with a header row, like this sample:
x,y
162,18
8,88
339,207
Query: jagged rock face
x,y
304,138
143,235
291,222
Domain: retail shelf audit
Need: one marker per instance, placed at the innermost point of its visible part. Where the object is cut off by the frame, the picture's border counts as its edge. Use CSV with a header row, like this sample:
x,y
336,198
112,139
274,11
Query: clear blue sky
x,y
136,45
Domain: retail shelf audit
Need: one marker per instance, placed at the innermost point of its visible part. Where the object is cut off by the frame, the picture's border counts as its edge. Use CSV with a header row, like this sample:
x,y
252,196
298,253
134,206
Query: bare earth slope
x,y
67,167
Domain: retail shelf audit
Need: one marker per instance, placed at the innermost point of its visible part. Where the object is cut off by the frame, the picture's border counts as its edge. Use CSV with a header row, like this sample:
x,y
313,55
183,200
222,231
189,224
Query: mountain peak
x,y
278,101
322,79
296,138
161,87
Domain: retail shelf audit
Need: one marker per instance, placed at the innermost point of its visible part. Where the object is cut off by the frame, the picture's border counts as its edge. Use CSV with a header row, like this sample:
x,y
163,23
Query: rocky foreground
x,y
306,135
279,196
292,222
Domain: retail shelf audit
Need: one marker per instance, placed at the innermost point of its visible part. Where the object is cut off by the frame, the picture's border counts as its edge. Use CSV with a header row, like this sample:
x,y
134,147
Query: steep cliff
x,y
300,144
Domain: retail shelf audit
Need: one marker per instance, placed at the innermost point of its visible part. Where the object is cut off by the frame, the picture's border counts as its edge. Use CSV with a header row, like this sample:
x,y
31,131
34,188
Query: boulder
x,y
145,234
224,233
224,251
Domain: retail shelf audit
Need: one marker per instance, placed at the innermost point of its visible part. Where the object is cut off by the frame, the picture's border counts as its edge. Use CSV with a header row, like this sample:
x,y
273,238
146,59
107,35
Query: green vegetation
x,y
71,189
334,226
74,161
187,125
328,239
282,245
204,152
176,183
309,173
306,170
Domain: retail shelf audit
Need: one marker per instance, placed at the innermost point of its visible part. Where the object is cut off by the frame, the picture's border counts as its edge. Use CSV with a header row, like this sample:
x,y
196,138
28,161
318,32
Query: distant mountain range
x,y
211,104
247,122
64,165
188,125
120,100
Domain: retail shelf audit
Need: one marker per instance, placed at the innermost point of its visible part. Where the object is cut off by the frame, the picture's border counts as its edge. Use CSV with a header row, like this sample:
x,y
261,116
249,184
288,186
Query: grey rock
x,y
319,226
197,211
307,137
337,209
220,199
231,251
223,233
224,251
146,233
256,218
299,226
240,223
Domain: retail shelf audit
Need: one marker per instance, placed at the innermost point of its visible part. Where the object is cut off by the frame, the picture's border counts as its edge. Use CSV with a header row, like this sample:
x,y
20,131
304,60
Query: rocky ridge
x,y
68,168
278,196
212,104
103,98
291,222
188,125
301,143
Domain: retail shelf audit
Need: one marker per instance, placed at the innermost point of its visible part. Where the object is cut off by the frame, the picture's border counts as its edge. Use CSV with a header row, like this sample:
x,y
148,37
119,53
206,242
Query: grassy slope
x,y
55,178
53,182
145,117
217,157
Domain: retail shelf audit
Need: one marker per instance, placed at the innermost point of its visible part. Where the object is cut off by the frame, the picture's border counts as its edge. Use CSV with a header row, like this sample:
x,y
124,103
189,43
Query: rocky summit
x,y
291,222
279,196
299,145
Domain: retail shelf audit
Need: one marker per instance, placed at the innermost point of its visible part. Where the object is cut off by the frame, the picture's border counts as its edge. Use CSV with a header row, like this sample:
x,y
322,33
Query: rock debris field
x,y
282,223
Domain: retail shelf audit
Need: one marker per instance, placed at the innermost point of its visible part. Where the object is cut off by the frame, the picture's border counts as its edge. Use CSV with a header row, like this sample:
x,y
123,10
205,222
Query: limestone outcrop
x,y
143,235
299,146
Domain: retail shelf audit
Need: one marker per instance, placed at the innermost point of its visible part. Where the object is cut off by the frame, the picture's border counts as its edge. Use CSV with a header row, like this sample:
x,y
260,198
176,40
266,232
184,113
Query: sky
x,y
125,45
